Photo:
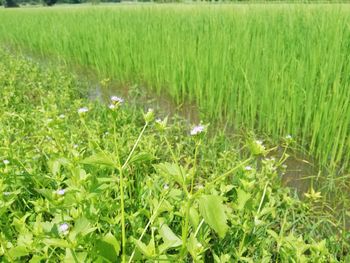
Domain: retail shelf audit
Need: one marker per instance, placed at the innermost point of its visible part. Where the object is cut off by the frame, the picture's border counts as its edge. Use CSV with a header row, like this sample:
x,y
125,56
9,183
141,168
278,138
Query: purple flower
x,y
197,130
63,228
61,191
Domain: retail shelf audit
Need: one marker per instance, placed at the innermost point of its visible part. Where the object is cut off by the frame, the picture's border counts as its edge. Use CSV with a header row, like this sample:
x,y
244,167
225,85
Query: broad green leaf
x,y
36,259
141,157
173,170
82,226
148,250
17,252
213,212
25,239
242,198
99,159
56,242
273,234
194,247
194,217
170,239
74,257
108,247
20,223
55,165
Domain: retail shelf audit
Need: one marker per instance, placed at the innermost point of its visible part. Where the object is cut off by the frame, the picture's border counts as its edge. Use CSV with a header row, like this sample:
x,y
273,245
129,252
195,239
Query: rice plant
x,y
277,69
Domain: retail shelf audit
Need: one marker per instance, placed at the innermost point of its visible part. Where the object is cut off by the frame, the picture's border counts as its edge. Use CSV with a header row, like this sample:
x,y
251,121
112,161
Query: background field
x,y
278,69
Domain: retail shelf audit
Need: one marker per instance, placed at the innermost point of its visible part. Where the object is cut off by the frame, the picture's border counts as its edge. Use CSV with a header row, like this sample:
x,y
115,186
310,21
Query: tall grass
x,y
279,69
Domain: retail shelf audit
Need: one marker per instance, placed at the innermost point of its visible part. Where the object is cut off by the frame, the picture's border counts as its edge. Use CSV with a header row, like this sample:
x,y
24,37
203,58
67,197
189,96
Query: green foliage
x,y
261,67
81,182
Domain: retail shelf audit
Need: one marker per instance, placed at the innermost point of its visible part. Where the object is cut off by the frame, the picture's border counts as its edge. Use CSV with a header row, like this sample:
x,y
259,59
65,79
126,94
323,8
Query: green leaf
x,y
194,217
17,252
74,257
99,159
148,251
242,198
194,247
82,226
170,239
173,170
56,242
141,157
36,259
213,212
55,165
108,247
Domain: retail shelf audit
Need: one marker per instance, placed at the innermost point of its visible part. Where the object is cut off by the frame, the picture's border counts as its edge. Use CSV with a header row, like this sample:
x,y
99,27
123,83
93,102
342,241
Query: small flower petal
x,y
197,130
83,110
63,228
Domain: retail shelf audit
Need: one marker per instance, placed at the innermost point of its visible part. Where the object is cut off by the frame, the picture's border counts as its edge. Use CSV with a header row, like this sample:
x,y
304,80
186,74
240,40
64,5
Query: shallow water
x,y
297,174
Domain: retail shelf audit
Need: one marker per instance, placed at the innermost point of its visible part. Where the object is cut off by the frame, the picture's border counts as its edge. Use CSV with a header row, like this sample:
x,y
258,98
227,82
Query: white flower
x,y
197,130
200,186
248,168
83,110
259,142
6,162
61,191
289,137
6,193
75,146
117,99
63,228
61,116
166,186
49,120
111,106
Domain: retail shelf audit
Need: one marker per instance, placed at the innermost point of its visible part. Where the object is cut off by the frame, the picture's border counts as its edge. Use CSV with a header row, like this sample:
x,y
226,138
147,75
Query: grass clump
x,y
85,182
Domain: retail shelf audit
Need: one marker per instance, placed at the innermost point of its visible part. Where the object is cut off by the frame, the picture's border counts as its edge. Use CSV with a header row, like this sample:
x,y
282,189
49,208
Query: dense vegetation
x,y
82,181
279,69
8,3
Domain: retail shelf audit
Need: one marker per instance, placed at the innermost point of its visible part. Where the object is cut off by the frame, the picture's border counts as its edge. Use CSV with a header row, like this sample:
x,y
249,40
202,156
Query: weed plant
x,y
81,181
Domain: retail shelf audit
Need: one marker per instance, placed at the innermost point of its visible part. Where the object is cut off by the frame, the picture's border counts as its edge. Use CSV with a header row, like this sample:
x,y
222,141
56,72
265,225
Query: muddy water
x,y
297,174
299,170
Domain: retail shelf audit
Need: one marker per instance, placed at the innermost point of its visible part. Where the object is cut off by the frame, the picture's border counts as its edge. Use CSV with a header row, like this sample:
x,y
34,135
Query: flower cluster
x,y
115,102
198,130
83,110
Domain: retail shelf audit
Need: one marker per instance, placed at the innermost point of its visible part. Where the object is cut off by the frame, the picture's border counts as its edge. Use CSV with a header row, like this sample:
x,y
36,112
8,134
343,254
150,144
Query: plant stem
x,y
121,189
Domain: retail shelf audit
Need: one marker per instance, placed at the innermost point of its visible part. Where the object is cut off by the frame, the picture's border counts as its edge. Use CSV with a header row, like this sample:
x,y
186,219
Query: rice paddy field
x,y
278,69
85,180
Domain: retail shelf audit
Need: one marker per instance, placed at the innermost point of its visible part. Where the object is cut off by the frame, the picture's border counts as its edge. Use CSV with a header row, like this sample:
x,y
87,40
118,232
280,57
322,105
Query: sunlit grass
x,y
278,69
